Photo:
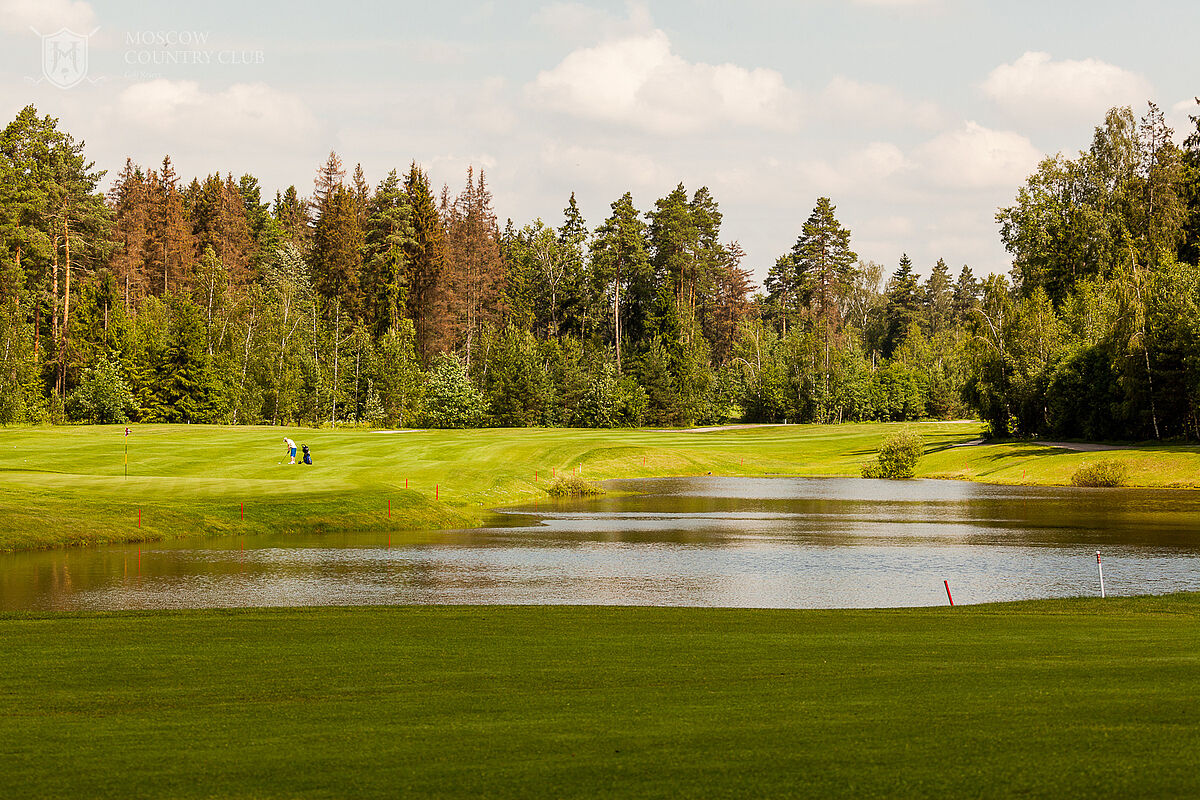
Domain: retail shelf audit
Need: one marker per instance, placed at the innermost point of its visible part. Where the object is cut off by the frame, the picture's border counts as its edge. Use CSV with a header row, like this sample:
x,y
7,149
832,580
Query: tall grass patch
x,y
1107,472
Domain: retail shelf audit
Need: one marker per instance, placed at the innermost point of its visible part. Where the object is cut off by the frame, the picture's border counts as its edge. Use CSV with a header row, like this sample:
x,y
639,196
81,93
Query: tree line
x,y
399,305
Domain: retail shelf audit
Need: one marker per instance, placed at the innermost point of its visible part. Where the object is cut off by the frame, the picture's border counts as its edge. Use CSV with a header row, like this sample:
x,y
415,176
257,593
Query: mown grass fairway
x,y
1079,698
63,486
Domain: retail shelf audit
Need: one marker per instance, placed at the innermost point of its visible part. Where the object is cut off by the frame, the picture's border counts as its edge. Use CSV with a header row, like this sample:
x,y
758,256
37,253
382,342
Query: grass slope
x,y
1077,698
64,486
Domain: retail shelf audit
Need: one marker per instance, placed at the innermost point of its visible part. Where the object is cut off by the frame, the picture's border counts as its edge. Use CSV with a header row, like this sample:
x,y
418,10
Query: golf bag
x,y
307,455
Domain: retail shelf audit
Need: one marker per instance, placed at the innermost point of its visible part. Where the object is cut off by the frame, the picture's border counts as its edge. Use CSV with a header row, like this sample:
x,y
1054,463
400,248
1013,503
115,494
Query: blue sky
x,y
917,117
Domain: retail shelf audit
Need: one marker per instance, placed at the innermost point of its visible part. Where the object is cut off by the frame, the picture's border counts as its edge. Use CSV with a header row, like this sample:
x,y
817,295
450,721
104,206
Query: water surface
x,y
772,542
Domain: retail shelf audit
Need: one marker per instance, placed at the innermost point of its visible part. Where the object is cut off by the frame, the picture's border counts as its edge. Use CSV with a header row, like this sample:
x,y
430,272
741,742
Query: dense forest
x,y
165,300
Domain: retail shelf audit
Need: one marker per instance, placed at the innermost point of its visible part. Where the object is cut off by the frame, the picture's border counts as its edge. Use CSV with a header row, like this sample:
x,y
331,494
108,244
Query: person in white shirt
x,y
291,448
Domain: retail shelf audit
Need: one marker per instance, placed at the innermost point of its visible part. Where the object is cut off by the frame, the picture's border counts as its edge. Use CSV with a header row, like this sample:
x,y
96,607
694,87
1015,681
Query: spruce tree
x,y
292,215
385,272
425,254
937,296
965,295
576,316
336,256
903,306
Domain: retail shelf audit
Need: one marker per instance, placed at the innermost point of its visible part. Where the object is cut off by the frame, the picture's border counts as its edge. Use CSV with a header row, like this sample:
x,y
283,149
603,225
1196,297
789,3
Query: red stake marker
x,y
389,508
435,491
139,518
242,508
948,597
406,483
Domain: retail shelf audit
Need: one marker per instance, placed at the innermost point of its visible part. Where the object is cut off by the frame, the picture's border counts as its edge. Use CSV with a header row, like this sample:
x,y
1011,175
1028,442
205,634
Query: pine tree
x,y
385,271
291,213
937,296
336,256
362,194
170,248
130,200
729,300
903,306
474,267
824,264
1189,246
620,266
965,296
711,260
573,244
57,203
673,243
219,222
329,177
425,258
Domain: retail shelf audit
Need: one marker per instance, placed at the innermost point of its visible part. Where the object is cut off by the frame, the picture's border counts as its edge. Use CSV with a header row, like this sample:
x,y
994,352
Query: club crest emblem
x,y
64,58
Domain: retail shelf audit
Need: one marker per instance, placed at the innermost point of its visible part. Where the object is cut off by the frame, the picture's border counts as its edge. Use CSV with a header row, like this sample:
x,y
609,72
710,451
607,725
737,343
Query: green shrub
x,y
1101,473
897,456
572,486
451,400
103,396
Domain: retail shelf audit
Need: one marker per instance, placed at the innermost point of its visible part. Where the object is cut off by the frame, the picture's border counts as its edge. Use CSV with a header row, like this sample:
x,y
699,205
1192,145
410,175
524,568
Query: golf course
x,y
68,486
1065,697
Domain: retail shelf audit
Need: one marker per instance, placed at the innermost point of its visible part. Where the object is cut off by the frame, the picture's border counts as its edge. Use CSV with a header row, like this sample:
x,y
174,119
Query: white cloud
x,y
639,81
1036,85
974,157
46,16
250,116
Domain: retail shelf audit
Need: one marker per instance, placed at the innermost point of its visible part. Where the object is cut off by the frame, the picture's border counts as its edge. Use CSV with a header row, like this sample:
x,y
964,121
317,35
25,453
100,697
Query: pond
x,y
769,542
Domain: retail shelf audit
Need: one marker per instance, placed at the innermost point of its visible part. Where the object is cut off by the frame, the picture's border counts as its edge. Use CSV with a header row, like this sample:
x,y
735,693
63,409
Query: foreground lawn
x,y
65,486
1078,698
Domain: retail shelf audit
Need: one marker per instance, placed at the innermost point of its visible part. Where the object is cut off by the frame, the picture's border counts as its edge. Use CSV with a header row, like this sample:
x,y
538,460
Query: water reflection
x,y
780,542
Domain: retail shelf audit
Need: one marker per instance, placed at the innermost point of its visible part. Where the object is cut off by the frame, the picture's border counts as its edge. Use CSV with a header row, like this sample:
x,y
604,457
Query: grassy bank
x,y
63,486
1052,698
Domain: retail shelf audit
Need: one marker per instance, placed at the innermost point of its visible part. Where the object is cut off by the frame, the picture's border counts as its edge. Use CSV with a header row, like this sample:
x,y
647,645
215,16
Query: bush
x,y
1101,473
897,458
451,401
103,397
572,486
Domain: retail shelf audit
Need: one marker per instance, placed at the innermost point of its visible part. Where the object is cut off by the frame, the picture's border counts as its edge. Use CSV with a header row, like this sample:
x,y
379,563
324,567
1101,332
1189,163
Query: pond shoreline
x,y
66,490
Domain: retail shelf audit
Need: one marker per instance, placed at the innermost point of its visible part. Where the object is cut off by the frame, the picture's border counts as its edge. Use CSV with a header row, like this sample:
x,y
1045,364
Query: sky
x,y
918,118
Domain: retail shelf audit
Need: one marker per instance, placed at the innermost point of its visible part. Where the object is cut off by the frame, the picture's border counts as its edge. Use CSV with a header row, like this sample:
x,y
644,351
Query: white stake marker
x,y
1100,571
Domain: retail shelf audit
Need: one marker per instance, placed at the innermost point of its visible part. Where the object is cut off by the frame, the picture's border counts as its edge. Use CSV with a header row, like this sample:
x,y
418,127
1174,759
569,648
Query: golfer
x,y
291,448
